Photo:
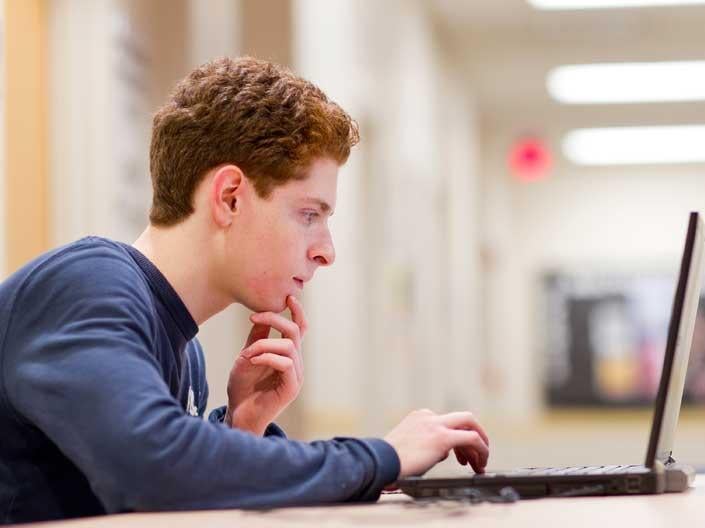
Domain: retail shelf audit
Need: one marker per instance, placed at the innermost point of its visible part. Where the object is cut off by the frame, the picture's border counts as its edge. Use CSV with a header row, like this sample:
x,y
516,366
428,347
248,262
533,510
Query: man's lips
x,y
299,282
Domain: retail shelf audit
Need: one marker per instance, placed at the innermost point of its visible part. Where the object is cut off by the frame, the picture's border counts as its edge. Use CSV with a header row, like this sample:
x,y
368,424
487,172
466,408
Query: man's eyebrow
x,y
320,203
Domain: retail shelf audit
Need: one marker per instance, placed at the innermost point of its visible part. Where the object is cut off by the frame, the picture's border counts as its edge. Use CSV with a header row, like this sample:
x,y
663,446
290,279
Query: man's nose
x,y
323,253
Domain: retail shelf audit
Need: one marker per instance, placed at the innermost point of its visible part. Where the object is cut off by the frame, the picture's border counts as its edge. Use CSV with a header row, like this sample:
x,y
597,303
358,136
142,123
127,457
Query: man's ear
x,y
226,190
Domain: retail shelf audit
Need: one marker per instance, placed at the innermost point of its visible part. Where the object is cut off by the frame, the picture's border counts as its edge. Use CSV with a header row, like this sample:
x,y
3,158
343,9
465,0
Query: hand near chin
x,y
268,374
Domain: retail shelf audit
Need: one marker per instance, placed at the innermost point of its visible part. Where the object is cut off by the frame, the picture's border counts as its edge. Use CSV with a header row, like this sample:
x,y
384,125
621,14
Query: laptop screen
x,y
680,337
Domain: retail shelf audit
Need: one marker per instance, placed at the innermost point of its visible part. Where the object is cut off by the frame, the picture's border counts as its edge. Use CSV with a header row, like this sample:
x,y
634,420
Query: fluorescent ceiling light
x,y
630,82
605,4
635,145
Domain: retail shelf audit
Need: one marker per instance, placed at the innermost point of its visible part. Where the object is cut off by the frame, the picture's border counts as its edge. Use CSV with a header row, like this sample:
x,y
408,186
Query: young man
x,y
102,384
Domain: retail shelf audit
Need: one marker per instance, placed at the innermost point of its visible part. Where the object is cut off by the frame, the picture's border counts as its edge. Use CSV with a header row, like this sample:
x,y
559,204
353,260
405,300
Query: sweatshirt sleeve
x,y
81,371
217,415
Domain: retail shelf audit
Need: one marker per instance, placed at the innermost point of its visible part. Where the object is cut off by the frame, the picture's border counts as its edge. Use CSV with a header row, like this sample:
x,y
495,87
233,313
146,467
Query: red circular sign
x,y
529,160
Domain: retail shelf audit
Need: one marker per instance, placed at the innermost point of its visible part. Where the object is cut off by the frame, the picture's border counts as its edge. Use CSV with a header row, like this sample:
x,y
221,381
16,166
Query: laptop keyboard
x,y
575,470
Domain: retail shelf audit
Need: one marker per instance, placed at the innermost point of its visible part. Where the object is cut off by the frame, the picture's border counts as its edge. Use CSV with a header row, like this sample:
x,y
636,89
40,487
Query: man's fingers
x,y
297,314
476,453
288,329
464,420
259,331
282,364
280,347
460,456
473,460
471,440
467,456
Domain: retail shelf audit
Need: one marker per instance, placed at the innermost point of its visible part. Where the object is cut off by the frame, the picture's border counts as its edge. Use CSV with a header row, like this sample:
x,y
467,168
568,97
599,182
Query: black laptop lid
x,y
680,337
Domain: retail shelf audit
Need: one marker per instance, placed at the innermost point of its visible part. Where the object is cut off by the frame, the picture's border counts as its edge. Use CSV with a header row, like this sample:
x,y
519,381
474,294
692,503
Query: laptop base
x,y
679,477
635,480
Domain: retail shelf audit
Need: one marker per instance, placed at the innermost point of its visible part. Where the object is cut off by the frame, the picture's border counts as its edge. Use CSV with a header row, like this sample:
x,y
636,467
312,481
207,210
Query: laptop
x,y
660,472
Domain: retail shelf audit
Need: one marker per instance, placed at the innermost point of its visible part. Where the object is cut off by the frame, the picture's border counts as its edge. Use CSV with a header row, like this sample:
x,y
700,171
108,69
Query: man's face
x,y
278,243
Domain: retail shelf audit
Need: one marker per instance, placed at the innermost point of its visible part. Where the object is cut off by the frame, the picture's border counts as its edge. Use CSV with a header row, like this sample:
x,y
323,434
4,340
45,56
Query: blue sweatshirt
x,y
102,394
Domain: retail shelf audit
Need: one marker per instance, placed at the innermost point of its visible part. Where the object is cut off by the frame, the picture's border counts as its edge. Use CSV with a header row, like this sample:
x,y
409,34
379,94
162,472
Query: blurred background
x,y
508,231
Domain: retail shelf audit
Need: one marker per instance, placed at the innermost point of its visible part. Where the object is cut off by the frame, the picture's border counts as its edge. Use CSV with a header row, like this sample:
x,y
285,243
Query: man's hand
x,y
268,373
423,439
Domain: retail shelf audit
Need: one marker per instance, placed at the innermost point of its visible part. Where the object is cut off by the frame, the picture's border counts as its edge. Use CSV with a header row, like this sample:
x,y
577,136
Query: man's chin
x,y
259,306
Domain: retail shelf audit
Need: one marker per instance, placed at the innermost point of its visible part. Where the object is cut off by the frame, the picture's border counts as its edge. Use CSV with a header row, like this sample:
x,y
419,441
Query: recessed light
x,y
635,145
607,4
632,82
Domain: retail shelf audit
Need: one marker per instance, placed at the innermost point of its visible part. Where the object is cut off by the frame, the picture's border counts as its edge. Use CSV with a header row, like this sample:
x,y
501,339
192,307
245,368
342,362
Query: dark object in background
x,y
605,337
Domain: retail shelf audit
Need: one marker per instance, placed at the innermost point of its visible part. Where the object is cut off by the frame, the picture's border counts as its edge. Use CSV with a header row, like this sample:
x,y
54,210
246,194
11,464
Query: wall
x,y
629,219
396,313
24,168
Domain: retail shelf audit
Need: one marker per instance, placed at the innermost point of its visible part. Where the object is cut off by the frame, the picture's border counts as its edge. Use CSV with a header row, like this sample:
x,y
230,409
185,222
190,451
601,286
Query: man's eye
x,y
310,216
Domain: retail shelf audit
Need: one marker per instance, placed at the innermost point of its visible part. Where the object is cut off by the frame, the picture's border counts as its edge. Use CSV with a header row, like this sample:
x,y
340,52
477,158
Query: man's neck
x,y
180,255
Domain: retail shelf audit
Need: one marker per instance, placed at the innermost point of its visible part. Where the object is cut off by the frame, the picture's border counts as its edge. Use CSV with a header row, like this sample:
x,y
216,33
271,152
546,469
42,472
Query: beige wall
x,y
383,336
267,30
25,151
630,219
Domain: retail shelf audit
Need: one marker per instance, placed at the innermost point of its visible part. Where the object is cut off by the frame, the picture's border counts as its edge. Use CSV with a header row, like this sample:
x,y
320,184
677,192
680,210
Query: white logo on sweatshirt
x,y
190,405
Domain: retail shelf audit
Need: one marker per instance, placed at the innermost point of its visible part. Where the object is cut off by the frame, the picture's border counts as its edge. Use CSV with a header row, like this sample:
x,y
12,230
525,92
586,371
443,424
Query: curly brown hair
x,y
249,112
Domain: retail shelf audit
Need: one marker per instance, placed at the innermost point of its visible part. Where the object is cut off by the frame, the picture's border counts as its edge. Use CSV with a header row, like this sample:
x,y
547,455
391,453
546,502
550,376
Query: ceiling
x,y
518,19
505,48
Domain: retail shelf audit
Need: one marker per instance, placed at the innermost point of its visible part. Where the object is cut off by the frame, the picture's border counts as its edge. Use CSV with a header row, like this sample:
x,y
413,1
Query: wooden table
x,y
642,511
